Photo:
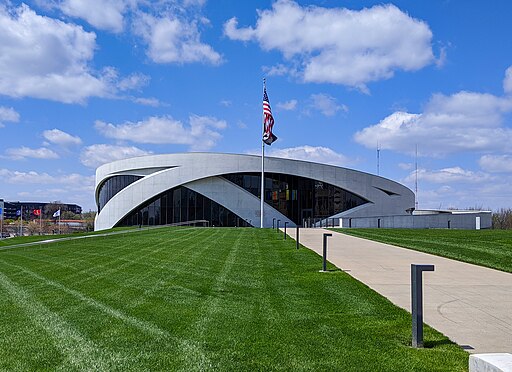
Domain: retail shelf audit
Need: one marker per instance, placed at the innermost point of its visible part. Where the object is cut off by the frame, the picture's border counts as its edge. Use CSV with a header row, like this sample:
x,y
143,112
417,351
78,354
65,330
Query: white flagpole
x,y
41,221
59,221
262,169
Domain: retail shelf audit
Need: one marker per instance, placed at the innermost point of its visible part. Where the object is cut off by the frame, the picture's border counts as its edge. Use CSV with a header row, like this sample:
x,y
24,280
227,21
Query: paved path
x,y
470,304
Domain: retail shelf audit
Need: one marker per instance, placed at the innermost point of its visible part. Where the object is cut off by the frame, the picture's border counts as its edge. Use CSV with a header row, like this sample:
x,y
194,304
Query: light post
x,y
417,302
324,266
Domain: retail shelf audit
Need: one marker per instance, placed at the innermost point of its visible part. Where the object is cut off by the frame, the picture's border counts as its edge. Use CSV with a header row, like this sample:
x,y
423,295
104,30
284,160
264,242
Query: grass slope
x,y
199,299
491,248
37,238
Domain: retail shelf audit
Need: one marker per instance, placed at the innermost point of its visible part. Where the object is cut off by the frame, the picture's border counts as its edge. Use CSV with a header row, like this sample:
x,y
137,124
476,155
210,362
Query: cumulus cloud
x,y
464,121
318,154
95,155
26,152
102,14
46,58
58,137
73,187
448,175
134,81
8,114
326,104
496,163
201,133
174,40
338,45
33,177
288,105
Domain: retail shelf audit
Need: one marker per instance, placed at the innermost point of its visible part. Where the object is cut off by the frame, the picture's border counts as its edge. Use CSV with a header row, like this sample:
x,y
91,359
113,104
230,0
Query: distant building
x,y
224,189
11,209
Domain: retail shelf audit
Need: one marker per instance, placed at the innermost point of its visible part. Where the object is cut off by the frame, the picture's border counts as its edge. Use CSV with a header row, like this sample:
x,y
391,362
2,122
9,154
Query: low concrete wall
x,y
497,362
466,221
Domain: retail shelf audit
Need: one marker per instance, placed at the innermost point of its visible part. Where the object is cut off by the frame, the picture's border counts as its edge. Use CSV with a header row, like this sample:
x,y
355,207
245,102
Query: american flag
x,y
268,120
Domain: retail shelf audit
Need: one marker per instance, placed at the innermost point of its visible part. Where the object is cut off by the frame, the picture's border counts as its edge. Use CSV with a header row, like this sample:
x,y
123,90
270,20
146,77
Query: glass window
x,y
112,186
297,197
181,205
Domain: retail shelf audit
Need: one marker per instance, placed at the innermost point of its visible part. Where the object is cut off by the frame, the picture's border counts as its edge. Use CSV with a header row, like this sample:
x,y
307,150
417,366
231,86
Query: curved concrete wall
x,y
200,171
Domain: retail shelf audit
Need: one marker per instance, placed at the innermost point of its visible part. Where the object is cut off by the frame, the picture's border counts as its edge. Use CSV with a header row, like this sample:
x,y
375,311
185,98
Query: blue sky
x,y
84,82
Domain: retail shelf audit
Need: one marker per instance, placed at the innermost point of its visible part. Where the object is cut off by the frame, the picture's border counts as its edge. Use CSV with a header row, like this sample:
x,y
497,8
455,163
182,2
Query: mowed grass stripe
x,y
225,299
79,352
490,248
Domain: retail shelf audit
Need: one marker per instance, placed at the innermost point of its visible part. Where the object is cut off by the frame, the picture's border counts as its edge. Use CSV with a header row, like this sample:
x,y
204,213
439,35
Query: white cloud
x,y
326,104
133,82
153,102
174,40
202,132
8,114
95,155
58,137
226,103
102,14
33,177
70,188
465,121
288,105
279,70
496,163
338,45
46,58
318,154
507,82
448,175
26,152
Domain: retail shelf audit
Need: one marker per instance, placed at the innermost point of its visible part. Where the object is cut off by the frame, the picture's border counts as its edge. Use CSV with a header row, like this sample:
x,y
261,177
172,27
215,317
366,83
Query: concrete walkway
x,y
470,304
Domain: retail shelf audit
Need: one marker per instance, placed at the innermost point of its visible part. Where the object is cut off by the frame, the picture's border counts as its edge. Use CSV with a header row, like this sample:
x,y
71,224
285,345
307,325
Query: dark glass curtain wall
x,y
181,205
112,186
298,197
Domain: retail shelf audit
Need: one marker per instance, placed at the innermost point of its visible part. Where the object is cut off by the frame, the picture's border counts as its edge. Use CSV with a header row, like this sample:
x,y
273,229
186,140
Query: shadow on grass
x,y
433,344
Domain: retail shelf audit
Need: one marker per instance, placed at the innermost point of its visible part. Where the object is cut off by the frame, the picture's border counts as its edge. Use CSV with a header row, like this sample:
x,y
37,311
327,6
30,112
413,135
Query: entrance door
x,y
306,215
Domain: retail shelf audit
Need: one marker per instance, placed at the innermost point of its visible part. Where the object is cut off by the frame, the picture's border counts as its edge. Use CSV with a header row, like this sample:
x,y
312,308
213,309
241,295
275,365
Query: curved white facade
x,y
202,173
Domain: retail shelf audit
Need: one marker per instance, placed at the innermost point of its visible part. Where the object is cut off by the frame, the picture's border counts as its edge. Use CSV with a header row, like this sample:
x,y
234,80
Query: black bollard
x,y
417,302
326,235
297,236
286,223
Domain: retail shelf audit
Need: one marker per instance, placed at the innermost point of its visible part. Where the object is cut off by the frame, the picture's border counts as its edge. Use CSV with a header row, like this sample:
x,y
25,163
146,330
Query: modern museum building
x,y
224,190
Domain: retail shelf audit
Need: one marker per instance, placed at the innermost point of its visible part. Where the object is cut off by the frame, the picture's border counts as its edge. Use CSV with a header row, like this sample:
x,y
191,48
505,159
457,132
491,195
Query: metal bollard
x,y
326,235
278,224
286,223
273,223
297,236
417,302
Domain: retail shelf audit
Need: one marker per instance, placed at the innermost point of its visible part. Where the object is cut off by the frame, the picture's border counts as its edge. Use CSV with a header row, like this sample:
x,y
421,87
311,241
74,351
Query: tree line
x,y
502,219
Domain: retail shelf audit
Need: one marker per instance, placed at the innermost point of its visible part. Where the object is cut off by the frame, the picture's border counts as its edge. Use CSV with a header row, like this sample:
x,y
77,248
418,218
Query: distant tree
x,y
89,218
89,215
51,208
33,227
502,219
68,215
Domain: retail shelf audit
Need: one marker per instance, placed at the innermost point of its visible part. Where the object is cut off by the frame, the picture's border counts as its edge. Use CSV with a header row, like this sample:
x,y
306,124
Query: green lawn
x,y
491,248
199,299
36,238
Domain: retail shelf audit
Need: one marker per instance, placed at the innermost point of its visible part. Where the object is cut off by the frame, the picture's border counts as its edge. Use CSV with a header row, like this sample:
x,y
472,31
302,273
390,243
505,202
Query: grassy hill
x,y
491,248
199,299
